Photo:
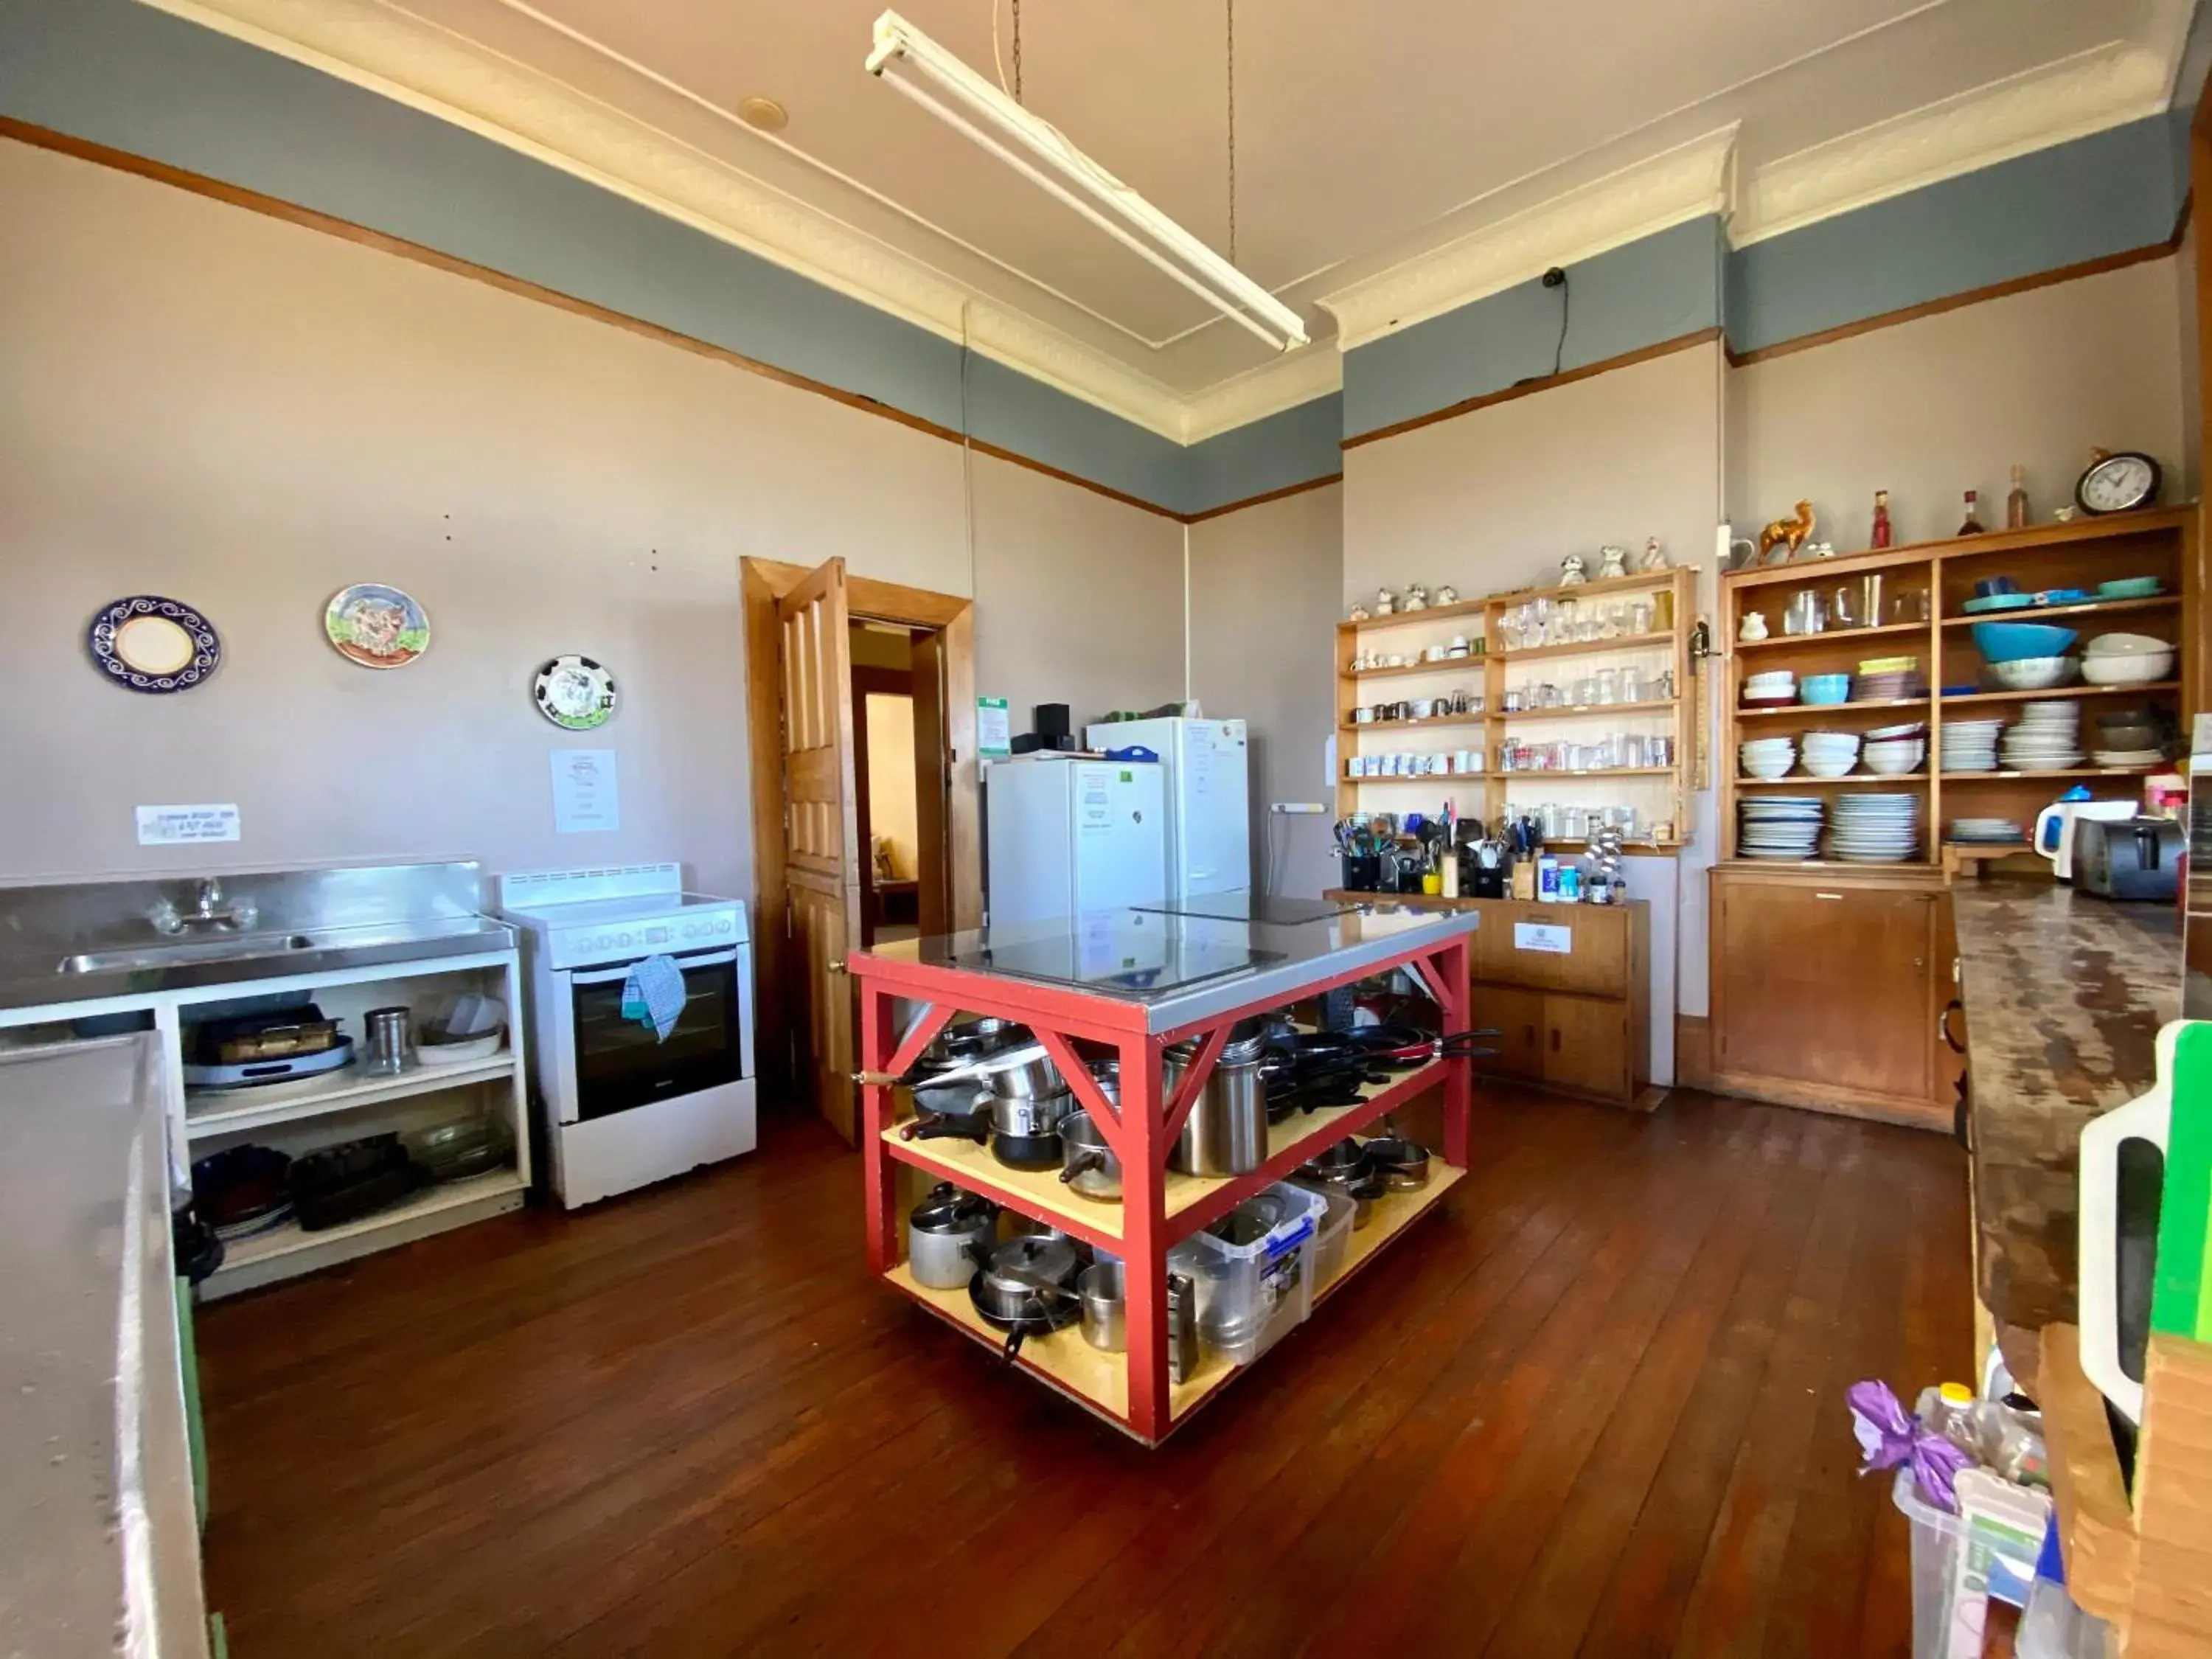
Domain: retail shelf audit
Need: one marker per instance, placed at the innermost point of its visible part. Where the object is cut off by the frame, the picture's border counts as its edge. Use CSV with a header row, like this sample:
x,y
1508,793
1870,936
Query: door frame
x,y
762,582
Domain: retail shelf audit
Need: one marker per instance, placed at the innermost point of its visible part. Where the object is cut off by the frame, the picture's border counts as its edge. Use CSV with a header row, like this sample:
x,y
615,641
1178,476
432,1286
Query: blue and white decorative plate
x,y
149,643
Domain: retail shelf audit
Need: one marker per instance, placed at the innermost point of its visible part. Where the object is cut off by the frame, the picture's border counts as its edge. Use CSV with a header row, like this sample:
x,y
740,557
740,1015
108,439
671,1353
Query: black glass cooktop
x,y
1247,907
1141,952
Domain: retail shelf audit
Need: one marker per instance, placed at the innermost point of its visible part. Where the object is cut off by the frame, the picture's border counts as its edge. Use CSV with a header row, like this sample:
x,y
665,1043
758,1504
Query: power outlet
x,y
1304,808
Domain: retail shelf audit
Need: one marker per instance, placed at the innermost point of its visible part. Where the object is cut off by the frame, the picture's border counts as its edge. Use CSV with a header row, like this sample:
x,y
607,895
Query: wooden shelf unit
x,y
2160,542
1661,793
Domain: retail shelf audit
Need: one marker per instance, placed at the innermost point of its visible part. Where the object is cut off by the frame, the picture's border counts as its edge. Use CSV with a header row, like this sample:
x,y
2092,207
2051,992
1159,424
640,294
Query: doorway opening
x,y
895,733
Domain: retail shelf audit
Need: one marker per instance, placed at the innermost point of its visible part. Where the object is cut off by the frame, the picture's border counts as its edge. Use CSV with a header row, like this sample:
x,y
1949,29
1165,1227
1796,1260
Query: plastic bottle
x,y
1952,1417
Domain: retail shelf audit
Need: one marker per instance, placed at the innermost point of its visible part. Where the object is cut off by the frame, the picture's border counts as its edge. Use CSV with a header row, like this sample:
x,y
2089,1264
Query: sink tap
x,y
206,915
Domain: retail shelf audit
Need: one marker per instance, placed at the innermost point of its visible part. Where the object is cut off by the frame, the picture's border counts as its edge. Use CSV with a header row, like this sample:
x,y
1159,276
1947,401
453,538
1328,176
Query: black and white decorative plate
x,y
149,643
575,694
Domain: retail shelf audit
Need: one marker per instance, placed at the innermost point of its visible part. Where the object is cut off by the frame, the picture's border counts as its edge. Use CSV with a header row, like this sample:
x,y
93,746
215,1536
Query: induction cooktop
x,y
1274,912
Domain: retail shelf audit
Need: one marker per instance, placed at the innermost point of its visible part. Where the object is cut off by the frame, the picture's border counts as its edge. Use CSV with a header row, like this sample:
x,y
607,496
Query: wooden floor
x,y
1592,1405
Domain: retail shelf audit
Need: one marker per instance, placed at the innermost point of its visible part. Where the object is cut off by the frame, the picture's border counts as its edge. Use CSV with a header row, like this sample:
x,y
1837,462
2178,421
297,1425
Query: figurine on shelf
x,y
1753,627
1611,561
1655,557
1417,597
1447,594
1882,530
1384,603
1359,613
1573,570
1787,534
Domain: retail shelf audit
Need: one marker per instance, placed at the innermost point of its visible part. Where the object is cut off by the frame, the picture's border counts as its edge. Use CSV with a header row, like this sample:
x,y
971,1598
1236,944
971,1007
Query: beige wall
x,y
891,777
2191,364
200,402
1263,591
1931,408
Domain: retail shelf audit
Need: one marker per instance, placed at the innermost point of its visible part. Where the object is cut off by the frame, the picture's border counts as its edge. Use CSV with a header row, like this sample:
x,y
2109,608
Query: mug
x,y
1423,707
1435,653
1362,716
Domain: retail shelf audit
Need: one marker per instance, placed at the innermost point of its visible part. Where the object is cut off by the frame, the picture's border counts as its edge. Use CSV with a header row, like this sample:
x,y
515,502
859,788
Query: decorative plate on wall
x,y
376,626
575,694
149,643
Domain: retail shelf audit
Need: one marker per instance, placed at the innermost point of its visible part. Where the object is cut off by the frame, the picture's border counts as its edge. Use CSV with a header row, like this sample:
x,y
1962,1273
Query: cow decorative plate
x,y
575,694
149,643
376,626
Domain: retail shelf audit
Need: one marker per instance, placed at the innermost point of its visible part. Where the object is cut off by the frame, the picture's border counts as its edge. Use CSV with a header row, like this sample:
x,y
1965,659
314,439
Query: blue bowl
x,y
1822,690
2010,641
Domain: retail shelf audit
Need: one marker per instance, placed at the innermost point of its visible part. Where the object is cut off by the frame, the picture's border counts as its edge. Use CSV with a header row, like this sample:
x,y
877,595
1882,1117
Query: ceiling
x,y
1427,156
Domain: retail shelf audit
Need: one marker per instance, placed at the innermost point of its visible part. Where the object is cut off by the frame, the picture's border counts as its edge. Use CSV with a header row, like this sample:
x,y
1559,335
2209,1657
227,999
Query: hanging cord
x,y
1231,5
1015,90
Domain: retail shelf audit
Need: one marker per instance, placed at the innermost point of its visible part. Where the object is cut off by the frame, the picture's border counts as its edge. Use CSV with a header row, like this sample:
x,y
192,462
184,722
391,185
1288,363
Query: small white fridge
x,y
1065,837
1206,766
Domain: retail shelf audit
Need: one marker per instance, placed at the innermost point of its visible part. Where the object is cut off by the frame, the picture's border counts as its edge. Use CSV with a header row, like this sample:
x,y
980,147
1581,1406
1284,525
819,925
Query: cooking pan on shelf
x,y
1027,1288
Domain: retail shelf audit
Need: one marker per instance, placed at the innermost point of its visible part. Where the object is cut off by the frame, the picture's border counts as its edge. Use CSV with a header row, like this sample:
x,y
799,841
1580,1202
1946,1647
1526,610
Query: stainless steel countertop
x,y
1301,953
98,1545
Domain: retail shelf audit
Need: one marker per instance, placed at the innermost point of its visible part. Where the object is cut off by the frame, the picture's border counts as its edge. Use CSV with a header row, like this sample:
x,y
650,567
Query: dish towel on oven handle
x,y
653,994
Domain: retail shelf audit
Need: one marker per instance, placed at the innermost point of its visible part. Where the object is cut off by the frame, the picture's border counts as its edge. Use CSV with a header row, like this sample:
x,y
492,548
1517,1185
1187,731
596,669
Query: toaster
x,y
2128,858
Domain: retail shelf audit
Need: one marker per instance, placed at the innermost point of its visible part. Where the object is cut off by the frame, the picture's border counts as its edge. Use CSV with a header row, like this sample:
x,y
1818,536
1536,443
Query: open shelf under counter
x,y
1968,700
1192,1201
1834,636
230,1111
2087,609
249,1262
1391,1214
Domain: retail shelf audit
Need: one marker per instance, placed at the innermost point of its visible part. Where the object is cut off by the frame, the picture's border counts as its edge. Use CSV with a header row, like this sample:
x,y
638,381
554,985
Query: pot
x,y
1025,1129
1252,1220
1363,1192
1023,1289
1403,1163
969,1039
949,1236
1087,1163
1033,1079
1226,1132
1105,1307
1340,1164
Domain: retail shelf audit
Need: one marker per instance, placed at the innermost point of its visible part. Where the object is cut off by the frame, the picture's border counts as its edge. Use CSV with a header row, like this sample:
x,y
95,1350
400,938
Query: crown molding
x,y
2072,98
1295,377
1639,200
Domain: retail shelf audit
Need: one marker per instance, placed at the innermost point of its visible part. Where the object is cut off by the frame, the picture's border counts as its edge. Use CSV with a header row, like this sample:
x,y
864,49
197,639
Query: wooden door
x,y
821,832
1827,987
932,787
1519,1016
1586,1046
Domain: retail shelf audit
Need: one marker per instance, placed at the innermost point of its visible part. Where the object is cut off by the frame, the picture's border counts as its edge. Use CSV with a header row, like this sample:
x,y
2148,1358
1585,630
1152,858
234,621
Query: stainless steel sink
x,y
237,946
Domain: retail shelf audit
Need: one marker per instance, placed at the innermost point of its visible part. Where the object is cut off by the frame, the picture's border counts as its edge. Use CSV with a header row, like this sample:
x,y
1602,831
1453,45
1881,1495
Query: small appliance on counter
x,y
2057,825
2128,858
628,1100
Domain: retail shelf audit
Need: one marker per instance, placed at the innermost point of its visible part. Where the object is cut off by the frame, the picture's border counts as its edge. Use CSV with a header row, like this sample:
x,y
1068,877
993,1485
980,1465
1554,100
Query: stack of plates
x,y
1775,686
2127,757
1884,679
1779,826
2047,738
1767,758
1870,827
1971,746
1986,830
1830,754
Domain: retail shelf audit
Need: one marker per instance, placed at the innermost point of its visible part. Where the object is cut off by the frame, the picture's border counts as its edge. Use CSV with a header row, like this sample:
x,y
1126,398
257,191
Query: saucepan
x,y
948,1236
1088,1164
1025,1289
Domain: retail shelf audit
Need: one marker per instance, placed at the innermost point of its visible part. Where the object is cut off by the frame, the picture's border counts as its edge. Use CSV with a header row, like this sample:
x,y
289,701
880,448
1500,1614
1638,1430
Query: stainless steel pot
x,y
1226,1132
1340,1164
1033,1079
1087,1163
1363,1192
1025,1129
949,1235
1025,1288
1105,1307
1404,1164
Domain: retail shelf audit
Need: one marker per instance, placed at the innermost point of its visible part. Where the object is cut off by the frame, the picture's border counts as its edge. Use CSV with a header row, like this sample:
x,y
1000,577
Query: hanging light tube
x,y
905,57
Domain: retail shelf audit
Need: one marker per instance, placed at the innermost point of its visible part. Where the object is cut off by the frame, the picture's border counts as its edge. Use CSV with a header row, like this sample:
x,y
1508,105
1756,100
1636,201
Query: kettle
x,y
2129,859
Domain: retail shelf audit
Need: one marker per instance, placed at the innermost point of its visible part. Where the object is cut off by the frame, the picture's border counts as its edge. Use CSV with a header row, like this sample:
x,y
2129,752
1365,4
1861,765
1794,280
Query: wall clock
x,y
2117,483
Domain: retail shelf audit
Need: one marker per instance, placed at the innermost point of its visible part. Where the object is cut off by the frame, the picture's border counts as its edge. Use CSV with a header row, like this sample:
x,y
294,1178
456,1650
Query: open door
x,y
821,831
932,787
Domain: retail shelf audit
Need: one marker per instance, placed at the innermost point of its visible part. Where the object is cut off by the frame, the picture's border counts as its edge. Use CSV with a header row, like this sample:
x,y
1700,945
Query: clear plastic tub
x,y
1333,1241
1935,1537
1249,1295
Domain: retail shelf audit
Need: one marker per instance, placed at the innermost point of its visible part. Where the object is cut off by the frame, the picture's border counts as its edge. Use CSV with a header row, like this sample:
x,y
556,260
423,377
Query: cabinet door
x,y
1826,986
1595,960
1519,1016
1586,1046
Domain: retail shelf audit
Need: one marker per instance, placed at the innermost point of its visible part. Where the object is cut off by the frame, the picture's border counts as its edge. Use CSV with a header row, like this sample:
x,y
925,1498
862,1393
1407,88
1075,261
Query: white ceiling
x,y
1363,151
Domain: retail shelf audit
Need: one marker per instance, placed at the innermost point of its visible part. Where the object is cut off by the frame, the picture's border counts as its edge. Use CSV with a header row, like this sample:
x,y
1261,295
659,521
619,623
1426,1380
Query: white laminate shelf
x,y
411,1213
229,1111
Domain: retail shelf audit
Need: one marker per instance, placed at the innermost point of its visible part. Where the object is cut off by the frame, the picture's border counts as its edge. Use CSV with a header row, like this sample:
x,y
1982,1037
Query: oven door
x,y
620,1063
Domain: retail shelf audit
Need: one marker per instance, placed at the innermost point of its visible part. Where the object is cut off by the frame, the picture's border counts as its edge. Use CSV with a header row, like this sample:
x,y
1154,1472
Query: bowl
x,y
1998,602
2130,587
1822,689
2034,673
2126,645
2126,670
2012,641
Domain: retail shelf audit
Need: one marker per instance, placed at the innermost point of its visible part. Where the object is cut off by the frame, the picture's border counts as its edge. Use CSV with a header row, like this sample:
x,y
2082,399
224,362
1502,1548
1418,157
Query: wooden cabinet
x,y
1827,988
1519,1016
1586,1046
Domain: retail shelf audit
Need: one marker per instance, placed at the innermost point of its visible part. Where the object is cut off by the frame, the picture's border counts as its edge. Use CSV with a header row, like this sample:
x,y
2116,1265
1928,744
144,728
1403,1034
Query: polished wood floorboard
x,y
1592,1404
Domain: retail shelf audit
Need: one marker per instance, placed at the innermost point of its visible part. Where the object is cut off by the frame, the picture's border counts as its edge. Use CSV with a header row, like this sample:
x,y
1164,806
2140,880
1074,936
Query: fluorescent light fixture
x,y
905,58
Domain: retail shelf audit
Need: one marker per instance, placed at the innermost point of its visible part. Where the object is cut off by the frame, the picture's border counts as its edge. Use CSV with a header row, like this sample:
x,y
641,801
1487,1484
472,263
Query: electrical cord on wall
x,y
1555,278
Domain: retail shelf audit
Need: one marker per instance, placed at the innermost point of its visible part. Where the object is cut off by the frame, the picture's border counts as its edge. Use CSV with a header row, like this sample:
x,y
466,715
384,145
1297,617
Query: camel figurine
x,y
1786,533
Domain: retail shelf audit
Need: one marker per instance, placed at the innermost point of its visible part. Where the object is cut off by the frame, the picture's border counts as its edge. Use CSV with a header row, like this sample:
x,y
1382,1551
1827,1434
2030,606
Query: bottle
x,y
2016,503
1952,1413
1881,520
1972,525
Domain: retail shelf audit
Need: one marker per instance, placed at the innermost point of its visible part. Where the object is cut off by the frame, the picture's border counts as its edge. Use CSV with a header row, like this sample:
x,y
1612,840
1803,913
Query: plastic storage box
x,y
1248,1295
1333,1240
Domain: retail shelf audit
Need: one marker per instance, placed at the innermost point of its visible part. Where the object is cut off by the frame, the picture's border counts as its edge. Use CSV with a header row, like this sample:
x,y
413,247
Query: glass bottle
x,y
2016,503
1972,527
1881,537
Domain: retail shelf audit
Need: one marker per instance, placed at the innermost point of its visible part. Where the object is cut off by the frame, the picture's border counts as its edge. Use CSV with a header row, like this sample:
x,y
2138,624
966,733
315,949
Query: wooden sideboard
x,y
1577,1019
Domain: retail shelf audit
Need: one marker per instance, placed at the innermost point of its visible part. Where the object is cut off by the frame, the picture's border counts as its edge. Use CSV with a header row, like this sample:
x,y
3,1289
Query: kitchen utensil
x,y
1025,1129
390,1041
1105,1307
949,1236
2058,828
460,1028
2034,673
1184,1350
261,1073
1342,1162
1403,1165
1023,1289
1804,612
466,1147
2132,858
2009,641
342,1183
242,1190
2130,588
1226,1132
239,1041
1088,1164
1363,1192
1027,1073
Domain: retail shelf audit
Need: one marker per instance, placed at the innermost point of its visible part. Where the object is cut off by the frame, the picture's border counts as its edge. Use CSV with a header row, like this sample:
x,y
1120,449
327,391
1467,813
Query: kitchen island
x,y
2064,996
1131,983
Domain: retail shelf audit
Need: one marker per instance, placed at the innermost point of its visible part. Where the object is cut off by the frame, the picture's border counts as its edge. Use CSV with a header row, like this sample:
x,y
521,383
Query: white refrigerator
x,y
1209,804
1066,837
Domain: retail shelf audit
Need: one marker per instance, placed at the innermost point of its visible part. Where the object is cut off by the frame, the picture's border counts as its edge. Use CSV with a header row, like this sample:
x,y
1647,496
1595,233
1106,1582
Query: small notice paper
x,y
1544,936
586,793
993,729
166,826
